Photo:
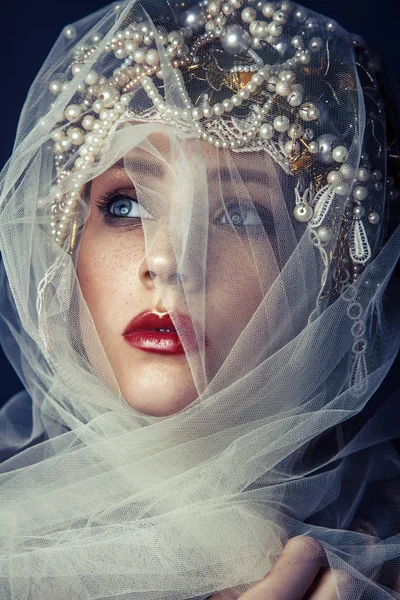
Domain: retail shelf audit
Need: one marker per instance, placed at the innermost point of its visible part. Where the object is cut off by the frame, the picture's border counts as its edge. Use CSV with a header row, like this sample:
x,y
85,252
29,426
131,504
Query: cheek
x,y
107,270
234,294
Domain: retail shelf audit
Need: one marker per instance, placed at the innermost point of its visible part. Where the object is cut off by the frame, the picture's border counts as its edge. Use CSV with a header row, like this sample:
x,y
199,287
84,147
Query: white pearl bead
x,y
363,174
244,94
324,234
209,27
358,212
207,111
342,189
236,100
303,212
65,144
347,171
280,17
268,9
339,154
197,113
72,112
260,29
275,29
121,107
264,72
295,131
266,131
130,47
104,114
374,218
235,39
120,53
152,57
91,77
57,135
305,57
298,41
108,96
300,15
253,27
248,14
309,112
139,56
97,106
283,88
281,123
218,109
70,32
292,148
334,178
213,8
251,87
55,87
313,147
360,193
227,104
295,98
258,79
76,136
97,37
288,76
315,44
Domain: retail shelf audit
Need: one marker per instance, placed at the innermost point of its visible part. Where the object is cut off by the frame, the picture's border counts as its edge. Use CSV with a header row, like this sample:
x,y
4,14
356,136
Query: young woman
x,y
198,230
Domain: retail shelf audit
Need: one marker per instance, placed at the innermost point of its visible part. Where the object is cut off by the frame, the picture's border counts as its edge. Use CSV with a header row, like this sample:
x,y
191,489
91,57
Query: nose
x,y
160,264
164,271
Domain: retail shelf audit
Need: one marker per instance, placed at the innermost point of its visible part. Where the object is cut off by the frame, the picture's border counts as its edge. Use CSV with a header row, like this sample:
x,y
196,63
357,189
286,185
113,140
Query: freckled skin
x,y
119,268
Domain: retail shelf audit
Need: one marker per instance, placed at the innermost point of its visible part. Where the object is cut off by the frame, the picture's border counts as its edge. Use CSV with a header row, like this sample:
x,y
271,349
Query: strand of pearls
x,y
86,125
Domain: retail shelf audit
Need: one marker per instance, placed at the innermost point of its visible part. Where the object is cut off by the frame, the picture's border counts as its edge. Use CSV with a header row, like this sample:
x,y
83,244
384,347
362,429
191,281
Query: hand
x,y
299,573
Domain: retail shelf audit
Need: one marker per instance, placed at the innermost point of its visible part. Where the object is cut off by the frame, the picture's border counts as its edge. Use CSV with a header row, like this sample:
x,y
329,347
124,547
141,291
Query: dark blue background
x,y
29,28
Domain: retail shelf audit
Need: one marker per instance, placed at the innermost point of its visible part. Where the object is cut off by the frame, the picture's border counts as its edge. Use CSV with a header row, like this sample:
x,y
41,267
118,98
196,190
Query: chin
x,y
159,391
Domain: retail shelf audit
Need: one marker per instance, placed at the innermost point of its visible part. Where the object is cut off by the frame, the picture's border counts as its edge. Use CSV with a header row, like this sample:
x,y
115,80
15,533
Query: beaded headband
x,y
246,105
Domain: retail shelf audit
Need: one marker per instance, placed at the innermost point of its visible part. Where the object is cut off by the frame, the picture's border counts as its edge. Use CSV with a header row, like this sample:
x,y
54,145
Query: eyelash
x,y
262,214
105,203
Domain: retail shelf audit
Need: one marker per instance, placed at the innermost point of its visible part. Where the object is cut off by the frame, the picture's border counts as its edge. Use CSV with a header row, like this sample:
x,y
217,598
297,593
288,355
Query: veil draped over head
x,y
262,156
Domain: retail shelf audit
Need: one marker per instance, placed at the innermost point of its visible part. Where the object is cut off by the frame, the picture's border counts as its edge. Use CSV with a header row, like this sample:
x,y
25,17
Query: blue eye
x,y
125,207
239,215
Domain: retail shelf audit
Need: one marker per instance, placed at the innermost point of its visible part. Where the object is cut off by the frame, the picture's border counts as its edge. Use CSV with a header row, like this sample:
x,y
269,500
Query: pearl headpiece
x,y
248,106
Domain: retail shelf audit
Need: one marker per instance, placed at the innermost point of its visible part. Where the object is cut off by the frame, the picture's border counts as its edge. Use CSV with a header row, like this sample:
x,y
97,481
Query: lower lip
x,y
161,342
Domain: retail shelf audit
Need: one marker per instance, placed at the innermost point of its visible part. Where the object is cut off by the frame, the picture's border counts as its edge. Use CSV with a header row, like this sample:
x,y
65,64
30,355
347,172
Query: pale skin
x,y
121,276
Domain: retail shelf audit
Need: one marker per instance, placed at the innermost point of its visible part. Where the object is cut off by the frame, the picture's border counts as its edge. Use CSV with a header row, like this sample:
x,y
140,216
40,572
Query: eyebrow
x,y
144,167
244,175
223,174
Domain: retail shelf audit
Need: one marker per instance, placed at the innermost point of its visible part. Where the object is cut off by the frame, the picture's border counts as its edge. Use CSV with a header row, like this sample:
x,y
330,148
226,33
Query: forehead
x,y
162,156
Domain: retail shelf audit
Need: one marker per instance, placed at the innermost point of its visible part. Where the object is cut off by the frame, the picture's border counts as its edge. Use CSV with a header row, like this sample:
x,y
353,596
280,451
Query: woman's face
x,y
201,252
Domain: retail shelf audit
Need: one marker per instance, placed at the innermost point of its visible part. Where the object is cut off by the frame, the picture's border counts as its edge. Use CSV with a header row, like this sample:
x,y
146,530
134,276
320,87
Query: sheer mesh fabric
x,y
100,500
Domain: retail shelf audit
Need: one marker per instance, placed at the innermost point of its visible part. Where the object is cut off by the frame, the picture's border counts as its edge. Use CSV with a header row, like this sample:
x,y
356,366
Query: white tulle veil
x,y
287,435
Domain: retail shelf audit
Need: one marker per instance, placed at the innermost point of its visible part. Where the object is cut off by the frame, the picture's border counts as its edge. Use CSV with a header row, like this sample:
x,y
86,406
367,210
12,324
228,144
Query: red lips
x,y
152,332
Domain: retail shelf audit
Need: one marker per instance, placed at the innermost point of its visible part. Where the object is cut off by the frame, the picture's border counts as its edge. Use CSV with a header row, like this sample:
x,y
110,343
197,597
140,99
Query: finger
x,y
324,587
293,573
329,583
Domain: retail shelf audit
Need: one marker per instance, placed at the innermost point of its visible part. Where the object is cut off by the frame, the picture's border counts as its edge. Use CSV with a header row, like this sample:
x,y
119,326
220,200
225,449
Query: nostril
x,y
180,278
